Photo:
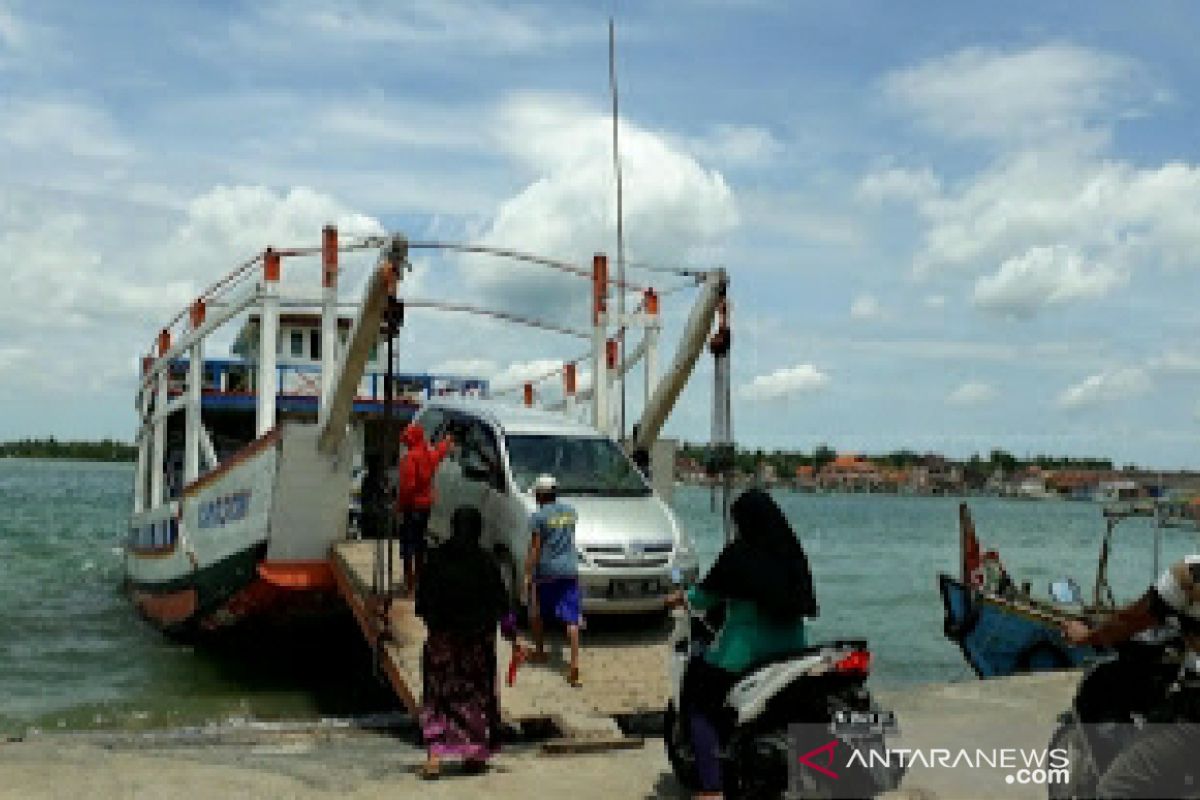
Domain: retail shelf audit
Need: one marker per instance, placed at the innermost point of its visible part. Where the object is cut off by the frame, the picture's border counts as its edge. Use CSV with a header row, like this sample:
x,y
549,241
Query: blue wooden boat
x,y
1003,630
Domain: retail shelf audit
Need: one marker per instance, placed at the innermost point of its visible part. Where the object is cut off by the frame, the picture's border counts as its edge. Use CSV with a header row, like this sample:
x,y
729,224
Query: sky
x,y
948,227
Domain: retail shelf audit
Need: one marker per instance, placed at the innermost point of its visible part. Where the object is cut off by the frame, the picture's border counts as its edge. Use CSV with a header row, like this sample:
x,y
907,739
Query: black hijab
x,y
765,564
461,589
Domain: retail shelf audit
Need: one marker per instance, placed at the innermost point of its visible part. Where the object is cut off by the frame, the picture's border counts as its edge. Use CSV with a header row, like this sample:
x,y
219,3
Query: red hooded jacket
x,y
417,467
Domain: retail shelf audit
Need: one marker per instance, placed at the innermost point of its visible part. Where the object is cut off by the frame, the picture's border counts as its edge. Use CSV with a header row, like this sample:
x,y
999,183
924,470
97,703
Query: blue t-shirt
x,y
554,524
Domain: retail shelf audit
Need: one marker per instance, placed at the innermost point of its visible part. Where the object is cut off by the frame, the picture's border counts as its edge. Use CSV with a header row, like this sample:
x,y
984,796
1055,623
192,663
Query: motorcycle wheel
x,y
757,769
1083,779
679,749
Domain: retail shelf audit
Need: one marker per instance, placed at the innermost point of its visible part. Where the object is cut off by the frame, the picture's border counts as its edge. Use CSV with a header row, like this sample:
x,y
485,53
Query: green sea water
x,y
73,654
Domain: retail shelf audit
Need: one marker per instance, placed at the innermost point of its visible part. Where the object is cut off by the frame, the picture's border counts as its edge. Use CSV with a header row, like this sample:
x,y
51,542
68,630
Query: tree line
x,y
103,450
785,462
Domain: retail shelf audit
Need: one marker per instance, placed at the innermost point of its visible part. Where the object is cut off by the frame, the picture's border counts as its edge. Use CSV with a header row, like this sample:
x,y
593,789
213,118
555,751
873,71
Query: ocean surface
x,y
73,654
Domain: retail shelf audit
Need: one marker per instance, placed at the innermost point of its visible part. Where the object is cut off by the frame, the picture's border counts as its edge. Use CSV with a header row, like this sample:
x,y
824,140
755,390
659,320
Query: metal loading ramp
x,y
623,665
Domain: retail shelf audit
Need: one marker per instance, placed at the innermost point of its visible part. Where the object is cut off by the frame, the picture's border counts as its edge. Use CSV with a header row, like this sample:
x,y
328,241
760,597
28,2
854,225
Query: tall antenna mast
x,y
616,154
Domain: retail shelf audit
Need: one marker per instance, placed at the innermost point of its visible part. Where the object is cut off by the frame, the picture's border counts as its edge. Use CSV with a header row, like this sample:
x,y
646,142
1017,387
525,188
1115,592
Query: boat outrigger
x,y
243,478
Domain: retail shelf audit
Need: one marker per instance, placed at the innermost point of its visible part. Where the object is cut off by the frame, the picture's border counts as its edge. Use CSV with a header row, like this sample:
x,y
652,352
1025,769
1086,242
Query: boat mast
x,y
616,155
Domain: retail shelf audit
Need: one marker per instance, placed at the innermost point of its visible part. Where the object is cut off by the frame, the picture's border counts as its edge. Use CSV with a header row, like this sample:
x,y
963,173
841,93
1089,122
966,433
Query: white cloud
x,y
737,145
466,366
228,224
13,34
1177,362
1052,219
935,301
468,27
866,306
62,129
786,382
1041,277
971,393
899,184
675,210
1105,387
518,373
990,94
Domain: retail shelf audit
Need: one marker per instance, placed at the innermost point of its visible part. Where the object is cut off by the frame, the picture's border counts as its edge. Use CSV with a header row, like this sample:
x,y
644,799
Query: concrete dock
x,y
324,762
623,667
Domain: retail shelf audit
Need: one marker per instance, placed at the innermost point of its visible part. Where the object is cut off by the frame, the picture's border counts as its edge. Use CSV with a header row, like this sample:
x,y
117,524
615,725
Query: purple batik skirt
x,y
460,709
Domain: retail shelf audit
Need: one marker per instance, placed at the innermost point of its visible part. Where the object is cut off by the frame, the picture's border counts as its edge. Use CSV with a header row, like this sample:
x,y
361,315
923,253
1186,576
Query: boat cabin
x,y
229,393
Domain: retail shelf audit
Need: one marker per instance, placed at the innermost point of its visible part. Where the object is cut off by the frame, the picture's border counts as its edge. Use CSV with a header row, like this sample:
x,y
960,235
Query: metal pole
x,y
195,386
329,316
268,334
612,80
159,447
390,448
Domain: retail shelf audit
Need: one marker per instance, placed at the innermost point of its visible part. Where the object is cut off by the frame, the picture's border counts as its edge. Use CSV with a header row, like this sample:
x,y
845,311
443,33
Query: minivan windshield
x,y
581,465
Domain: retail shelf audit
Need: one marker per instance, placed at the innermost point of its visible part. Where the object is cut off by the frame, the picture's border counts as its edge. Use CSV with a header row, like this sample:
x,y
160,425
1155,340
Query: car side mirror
x,y
1066,591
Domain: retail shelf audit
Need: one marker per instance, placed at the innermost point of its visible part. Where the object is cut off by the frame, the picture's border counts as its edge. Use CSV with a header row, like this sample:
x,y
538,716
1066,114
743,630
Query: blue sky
x,y
949,227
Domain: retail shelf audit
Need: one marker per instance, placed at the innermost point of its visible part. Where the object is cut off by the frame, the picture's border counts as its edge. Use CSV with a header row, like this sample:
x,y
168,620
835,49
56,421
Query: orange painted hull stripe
x,y
167,609
297,574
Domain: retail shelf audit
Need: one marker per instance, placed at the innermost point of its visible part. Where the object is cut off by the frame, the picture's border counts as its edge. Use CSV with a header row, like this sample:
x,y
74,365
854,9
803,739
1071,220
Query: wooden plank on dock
x,y
623,667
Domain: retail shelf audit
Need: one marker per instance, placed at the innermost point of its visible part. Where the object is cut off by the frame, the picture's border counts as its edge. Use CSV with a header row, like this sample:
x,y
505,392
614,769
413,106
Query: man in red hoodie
x,y
414,498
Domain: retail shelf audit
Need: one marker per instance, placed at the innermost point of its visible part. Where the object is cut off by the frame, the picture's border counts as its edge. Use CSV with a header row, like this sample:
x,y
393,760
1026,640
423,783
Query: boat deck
x,y
623,662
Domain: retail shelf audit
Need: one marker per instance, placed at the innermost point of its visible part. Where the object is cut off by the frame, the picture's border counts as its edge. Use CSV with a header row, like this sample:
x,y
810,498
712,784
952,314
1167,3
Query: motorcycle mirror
x,y
1066,591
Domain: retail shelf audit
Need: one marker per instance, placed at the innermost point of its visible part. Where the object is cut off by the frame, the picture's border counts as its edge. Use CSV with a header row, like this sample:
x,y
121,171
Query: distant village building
x,y
850,473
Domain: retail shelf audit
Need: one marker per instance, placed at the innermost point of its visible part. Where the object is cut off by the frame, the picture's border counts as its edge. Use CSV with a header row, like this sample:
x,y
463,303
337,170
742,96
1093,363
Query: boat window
x,y
581,465
297,344
314,339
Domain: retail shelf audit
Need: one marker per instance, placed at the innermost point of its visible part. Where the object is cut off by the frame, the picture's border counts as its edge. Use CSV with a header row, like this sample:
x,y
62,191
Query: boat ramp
x,y
624,666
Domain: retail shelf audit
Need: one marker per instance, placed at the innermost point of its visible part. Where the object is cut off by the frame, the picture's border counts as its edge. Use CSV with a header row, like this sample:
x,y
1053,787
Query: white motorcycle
x,y
800,706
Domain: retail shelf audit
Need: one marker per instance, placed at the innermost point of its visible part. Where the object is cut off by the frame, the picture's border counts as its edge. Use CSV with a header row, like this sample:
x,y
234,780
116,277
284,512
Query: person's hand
x,y
675,599
1076,632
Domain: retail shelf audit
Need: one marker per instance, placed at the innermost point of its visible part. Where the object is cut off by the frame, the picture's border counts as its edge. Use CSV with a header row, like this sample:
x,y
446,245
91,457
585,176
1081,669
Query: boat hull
x,y
249,539
999,637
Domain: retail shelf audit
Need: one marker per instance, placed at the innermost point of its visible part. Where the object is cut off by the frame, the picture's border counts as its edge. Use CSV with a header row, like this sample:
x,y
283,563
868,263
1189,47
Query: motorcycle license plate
x,y
633,588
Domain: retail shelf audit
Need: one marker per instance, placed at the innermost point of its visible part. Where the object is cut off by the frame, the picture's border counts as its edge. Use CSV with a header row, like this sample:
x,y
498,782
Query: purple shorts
x,y
559,598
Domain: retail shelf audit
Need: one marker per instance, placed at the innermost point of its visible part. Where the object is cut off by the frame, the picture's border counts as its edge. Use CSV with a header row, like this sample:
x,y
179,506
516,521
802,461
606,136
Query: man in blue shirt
x,y
552,571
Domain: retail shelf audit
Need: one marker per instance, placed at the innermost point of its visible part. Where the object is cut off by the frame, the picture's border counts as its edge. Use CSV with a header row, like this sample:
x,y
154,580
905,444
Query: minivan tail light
x,y
857,663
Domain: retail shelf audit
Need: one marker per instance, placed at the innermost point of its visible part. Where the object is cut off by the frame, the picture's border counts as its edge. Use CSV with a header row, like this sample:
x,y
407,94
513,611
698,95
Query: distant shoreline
x,y
104,450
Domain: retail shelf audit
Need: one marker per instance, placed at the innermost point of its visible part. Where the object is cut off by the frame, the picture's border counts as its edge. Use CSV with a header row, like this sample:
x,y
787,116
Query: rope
x,y
502,315
244,270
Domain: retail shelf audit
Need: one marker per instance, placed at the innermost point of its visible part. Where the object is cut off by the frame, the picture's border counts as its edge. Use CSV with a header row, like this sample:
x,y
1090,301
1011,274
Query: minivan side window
x,y
479,443
430,420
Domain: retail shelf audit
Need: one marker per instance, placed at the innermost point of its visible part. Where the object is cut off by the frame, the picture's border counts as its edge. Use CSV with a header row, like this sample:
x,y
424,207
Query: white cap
x,y
545,484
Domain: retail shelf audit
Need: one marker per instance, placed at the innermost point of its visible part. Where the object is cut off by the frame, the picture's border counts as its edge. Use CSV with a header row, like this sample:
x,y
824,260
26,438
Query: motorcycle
x,y
801,702
1115,700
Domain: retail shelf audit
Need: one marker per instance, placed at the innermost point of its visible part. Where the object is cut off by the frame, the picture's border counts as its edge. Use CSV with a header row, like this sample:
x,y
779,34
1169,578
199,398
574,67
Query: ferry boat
x,y
244,465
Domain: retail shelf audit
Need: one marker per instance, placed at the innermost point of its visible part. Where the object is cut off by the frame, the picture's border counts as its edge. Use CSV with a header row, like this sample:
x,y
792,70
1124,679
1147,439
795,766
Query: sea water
x,y
74,655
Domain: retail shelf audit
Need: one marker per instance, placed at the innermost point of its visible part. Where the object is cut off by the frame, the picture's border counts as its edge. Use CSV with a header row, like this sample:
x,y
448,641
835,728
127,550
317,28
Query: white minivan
x,y
628,539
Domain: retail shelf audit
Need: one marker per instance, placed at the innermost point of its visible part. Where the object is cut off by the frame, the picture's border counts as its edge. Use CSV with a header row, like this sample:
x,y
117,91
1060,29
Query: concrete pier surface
x,y
328,762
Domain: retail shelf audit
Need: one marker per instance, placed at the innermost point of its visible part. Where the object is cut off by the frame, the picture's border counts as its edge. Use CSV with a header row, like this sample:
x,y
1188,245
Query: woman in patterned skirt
x,y
461,597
